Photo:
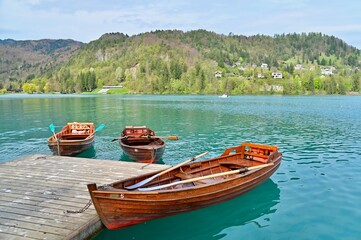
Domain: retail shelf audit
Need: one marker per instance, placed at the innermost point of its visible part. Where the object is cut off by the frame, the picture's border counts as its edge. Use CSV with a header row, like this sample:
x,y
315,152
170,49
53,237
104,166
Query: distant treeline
x,y
203,62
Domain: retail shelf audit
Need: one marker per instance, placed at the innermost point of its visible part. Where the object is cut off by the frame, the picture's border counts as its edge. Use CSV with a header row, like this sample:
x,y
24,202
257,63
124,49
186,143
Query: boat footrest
x,y
231,165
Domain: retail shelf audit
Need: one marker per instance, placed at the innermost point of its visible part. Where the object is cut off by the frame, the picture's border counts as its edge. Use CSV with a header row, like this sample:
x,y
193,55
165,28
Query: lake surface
x,y
315,194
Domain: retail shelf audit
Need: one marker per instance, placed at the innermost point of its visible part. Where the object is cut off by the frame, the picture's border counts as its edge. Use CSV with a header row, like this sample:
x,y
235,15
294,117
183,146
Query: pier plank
x,y
14,233
40,217
42,225
36,191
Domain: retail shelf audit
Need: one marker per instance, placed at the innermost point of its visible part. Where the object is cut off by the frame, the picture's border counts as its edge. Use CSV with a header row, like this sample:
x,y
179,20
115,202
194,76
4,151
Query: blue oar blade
x,y
101,126
52,128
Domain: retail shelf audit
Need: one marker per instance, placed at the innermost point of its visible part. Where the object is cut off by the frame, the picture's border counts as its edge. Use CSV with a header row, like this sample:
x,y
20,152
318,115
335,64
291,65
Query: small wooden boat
x,y
185,187
141,144
74,138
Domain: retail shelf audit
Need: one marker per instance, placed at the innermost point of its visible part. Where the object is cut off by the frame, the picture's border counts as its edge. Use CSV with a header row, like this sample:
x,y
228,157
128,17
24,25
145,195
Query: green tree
x,y
40,82
323,62
87,81
355,83
30,88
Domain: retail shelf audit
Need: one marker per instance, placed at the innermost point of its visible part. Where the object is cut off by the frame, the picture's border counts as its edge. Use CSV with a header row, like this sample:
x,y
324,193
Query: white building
x,y
327,71
218,74
298,67
277,75
264,65
260,75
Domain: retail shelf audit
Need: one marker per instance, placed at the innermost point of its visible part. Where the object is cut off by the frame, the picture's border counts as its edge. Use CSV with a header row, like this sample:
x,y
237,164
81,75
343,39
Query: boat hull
x,y
148,153
119,208
71,148
72,140
140,144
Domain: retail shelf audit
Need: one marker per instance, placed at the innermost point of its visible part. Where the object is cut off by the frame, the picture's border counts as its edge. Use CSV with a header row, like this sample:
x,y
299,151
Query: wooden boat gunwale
x,y
73,138
166,191
141,144
134,206
226,153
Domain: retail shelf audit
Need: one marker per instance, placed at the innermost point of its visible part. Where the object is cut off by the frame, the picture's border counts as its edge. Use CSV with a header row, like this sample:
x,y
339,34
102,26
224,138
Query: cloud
x,y
88,20
30,2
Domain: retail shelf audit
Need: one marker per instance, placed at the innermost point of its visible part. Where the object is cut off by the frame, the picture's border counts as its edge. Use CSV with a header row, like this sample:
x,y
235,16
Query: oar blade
x,y
141,183
52,127
174,138
100,127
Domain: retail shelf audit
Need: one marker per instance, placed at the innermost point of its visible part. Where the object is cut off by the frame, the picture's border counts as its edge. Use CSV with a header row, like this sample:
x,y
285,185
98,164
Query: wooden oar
x,y
101,126
52,128
168,137
147,180
206,177
118,139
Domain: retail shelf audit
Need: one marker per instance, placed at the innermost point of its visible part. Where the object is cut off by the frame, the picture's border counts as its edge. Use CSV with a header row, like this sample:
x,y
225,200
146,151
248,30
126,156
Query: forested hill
x,y
24,60
203,62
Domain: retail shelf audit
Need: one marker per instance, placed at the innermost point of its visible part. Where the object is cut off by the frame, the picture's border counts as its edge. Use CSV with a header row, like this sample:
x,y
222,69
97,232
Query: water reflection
x,y
319,137
124,157
209,223
89,153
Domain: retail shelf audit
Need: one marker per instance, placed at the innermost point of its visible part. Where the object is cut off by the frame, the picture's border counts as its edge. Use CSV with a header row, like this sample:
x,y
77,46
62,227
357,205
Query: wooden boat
x,y
185,187
74,138
141,144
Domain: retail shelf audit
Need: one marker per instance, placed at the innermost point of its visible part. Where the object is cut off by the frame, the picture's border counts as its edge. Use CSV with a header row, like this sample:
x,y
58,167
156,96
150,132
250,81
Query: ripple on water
x,y
319,136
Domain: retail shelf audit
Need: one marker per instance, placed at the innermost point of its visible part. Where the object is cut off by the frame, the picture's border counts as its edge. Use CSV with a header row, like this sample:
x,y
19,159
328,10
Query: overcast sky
x,y
87,20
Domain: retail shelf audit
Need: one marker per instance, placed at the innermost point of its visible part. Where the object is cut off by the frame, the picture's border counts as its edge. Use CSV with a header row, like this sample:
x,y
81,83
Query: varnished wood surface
x,y
121,205
141,144
36,191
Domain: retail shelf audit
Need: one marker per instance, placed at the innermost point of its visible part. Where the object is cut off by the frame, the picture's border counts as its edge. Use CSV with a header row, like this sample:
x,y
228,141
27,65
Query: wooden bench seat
x,y
74,136
252,151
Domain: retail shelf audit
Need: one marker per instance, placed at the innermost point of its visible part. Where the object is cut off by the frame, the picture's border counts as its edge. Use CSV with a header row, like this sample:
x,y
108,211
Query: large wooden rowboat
x,y
141,144
185,187
74,138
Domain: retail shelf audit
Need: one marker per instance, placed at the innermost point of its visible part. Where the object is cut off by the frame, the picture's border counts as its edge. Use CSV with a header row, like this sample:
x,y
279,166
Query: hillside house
x,y
264,65
327,71
298,67
218,74
277,75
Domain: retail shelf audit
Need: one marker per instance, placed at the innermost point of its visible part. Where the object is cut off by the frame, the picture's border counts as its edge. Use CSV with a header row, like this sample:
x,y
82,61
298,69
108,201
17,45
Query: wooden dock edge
x,y
37,190
88,230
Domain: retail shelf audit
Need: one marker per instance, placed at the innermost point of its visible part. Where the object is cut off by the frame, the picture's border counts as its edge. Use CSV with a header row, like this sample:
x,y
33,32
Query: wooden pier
x,y
37,191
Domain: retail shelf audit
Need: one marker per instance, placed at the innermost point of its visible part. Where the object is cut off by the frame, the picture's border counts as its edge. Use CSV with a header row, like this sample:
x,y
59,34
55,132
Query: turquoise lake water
x,y
315,194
